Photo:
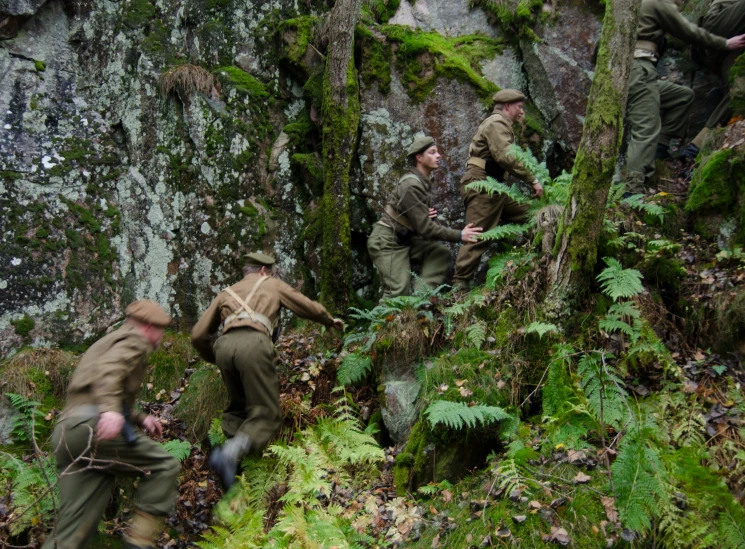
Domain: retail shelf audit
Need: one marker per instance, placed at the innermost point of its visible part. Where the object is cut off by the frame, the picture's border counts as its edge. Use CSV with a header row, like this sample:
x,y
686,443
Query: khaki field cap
x,y
420,145
258,259
508,96
148,312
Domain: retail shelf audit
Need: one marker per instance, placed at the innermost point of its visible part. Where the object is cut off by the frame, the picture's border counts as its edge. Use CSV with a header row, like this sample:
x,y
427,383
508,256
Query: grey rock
x,y
20,7
452,17
399,409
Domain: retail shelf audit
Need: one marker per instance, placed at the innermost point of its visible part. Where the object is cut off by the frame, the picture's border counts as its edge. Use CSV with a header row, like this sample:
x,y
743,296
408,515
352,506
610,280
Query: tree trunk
x,y
341,117
582,222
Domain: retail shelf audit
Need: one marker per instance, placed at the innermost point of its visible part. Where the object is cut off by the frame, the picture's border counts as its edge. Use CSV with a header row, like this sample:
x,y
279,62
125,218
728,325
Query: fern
x,y
354,368
526,157
491,187
606,398
637,201
215,434
180,449
731,527
500,232
28,418
29,497
476,333
499,263
457,415
618,282
558,390
541,329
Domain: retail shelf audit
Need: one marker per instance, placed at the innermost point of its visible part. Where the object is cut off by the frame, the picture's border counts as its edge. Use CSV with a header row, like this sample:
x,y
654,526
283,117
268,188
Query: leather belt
x,y
257,317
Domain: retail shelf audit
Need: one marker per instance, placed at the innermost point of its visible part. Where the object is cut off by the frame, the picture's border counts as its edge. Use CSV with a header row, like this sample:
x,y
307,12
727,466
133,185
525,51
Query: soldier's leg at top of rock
x,y
675,105
483,211
392,261
435,259
235,414
83,494
727,21
643,114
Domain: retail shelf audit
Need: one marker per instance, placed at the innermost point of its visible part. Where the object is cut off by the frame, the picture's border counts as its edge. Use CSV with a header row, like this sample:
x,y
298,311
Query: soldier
x,y
657,109
93,443
248,312
724,18
407,230
488,156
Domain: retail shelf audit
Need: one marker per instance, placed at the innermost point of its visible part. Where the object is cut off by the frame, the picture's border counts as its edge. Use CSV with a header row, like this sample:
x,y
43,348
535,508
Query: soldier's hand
x,y
432,213
469,233
338,324
109,425
736,42
153,426
537,190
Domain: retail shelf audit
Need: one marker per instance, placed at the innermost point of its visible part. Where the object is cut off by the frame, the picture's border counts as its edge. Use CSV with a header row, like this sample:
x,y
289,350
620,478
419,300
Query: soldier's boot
x,y
460,287
634,184
224,460
142,529
690,151
663,152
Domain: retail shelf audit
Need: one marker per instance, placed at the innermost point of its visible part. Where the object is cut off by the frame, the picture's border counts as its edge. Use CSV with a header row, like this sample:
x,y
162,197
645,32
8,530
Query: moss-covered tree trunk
x,y
341,117
596,159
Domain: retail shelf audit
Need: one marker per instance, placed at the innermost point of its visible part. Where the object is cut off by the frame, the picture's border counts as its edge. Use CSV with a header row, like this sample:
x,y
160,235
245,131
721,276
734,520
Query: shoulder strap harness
x,y
247,311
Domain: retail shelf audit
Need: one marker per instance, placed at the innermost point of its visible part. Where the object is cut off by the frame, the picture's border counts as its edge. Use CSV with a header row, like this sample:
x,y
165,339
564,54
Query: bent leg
x,y
435,258
392,261
675,104
643,114
235,414
485,212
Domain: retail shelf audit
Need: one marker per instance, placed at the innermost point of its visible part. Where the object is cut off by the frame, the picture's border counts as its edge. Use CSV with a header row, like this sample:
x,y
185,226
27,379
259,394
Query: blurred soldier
x,y
93,442
657,109
407,230
248,312
488,156
725,18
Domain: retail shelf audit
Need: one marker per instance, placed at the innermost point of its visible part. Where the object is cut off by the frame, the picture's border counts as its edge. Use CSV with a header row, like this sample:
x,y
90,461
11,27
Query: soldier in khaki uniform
x,y
248,312
89,443
407,230
488,156
724,18
657,110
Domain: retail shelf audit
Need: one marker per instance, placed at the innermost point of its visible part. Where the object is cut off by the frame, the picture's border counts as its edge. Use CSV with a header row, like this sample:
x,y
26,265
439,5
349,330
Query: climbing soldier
x,y
724,18
407,231
248,312
489,156
657,109
94,442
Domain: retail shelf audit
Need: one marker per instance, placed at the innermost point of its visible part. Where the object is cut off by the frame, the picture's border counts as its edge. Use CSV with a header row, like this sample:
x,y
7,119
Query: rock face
x,y
114,186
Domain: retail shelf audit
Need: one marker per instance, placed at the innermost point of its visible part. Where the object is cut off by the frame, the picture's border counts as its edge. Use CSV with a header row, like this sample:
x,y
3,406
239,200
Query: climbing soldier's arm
x,y
201,334
673,22
302,306
499,136
110,375
414,205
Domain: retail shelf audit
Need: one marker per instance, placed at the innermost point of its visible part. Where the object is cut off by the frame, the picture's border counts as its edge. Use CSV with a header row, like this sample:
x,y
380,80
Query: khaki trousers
x,y
246,359
486,212
655,107
85,491
393,261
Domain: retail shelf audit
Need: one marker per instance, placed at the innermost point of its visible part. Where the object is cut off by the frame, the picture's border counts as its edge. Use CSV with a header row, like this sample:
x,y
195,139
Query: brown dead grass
x,y
186,79
34,372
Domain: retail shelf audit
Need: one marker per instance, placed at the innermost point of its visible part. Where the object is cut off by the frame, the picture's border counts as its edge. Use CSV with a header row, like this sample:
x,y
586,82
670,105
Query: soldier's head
x,y
511,103
423,155
149,318
258,263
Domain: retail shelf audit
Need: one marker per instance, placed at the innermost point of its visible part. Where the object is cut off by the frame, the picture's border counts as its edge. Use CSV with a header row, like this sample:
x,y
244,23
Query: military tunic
x,y
107,379
491,142
406,233
245,354
657,107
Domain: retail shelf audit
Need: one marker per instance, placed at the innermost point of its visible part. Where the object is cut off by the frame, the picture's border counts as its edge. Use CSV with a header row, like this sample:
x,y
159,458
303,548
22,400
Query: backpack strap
x,y
253,315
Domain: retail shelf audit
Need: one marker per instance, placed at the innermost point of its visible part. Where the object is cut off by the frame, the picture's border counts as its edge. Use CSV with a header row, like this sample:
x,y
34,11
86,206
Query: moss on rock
x,y
242,81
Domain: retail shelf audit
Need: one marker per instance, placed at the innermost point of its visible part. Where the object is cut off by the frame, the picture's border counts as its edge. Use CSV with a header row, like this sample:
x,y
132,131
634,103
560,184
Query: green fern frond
x,y
500,232
215,433
611,325
491,187
637,201
606,398
541,328
457,415
476,333
526,157
354,368
180,449
618,282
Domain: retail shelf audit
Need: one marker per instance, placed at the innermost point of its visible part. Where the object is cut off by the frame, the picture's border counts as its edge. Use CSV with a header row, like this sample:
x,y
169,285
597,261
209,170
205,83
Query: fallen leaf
x,y
501,384
535,505
442,388
610,508
519,518
465,392
433,510
447,496
582,478
699,356
460,382
503,532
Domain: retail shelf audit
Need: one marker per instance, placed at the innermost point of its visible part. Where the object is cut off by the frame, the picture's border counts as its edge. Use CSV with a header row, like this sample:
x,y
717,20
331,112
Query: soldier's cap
x,y
257,259
148,312
508,96
419,145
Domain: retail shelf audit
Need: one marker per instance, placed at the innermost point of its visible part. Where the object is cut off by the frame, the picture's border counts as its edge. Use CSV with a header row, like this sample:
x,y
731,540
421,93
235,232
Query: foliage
x,y
186,79
638,202
354,368
32,503
180,449
619,282
215,433
476,333
26,422
606,398
541,328
241,81
456,415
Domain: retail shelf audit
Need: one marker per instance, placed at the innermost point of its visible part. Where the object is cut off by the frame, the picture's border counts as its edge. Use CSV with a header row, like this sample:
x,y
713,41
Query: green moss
x,y
311,165
138,13
665,272
381,10
23,326
42,232
40,66
711,183
423,57
11,175
202,401
377,56
299,129
514,17
737,86
298,34
242,81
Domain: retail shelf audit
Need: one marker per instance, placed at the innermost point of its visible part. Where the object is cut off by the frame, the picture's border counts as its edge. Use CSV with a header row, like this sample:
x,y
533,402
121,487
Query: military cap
x,y
419,145
508,96
258,259
148,312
